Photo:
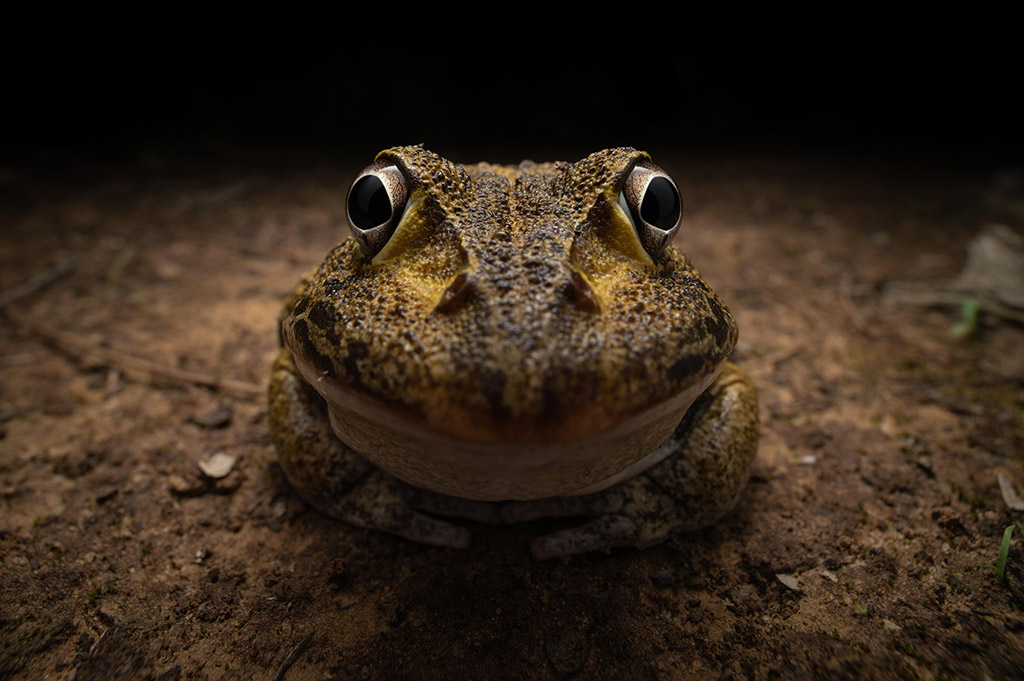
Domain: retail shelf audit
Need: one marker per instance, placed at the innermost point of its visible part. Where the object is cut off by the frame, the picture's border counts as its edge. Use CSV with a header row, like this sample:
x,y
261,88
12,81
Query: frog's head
x,y
505,309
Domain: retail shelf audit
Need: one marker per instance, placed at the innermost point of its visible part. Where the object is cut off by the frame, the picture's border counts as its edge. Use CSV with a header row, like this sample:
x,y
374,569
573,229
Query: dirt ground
x,y
859,549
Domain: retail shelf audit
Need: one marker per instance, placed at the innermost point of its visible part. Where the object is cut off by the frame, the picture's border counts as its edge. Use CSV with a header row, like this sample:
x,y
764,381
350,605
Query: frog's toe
x,y
403,521
380,503
601,534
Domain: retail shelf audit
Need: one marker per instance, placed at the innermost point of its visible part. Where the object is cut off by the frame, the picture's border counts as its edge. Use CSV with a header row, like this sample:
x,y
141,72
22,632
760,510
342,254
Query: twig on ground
x,y
772,361
75,344
37,282
292,657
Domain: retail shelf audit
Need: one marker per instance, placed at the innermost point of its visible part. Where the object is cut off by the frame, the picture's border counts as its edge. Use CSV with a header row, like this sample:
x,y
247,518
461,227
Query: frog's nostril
x,y
579,291
457,293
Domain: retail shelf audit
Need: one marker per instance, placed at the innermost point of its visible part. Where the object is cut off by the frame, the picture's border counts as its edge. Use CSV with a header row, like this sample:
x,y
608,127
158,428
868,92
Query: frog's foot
x,y
715,444
633,513
598,535
336,479
381,502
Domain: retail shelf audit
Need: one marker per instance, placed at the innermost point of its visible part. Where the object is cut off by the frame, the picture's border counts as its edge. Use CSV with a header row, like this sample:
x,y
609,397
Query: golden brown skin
x,y
513,340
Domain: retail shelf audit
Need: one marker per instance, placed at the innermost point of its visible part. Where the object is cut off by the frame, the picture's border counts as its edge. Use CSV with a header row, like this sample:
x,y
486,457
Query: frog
x,y
499,344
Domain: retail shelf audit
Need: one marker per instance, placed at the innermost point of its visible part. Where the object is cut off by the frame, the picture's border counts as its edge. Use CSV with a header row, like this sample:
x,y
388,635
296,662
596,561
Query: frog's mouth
x,y
493,466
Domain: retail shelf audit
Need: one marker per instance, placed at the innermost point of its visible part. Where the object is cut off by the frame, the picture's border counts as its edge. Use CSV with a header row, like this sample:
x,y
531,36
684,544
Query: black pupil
x,y
368,203
660,206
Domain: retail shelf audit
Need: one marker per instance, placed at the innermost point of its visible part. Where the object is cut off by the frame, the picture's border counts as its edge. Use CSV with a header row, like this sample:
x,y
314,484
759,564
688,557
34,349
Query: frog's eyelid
x,y
375,205
651,200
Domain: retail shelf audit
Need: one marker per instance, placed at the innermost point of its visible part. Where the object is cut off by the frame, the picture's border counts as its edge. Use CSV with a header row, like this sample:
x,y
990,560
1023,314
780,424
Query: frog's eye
x,y
650,198
376,202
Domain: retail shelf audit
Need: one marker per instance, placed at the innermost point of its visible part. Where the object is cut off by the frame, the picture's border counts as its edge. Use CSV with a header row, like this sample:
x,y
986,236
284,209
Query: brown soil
x,y
858,550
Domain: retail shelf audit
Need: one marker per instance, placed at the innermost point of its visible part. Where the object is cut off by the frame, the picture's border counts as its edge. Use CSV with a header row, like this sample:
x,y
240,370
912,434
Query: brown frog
x,y
503,343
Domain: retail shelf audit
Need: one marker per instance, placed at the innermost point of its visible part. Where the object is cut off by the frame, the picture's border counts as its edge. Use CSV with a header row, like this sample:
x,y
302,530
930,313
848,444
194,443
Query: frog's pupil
x,y
660,206
369,204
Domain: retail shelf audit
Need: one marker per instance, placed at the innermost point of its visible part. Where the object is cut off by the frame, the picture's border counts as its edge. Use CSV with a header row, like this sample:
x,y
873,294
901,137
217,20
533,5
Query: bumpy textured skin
x,y
515,304
519,235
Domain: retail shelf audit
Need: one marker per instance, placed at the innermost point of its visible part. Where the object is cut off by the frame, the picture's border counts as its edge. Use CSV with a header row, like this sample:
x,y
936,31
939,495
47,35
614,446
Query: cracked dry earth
x,y
857,551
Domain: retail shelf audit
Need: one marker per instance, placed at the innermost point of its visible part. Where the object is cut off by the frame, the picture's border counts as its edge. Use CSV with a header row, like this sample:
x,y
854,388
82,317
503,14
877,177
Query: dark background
x,y
505,87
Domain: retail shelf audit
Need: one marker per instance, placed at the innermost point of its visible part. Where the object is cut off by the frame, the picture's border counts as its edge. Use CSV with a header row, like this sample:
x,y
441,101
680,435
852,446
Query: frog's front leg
x,y
692,488
333,477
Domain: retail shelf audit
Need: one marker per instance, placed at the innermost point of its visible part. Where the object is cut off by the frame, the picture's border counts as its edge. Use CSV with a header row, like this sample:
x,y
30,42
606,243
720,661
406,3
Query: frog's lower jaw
x,y
501,470
665,450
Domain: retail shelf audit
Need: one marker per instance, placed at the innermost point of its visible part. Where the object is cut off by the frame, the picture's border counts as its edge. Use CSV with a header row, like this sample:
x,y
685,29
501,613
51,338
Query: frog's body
x,y
513,334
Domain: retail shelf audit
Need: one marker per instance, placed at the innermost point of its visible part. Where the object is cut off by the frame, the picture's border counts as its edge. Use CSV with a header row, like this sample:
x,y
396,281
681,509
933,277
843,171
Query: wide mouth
x,y
481,460
466,428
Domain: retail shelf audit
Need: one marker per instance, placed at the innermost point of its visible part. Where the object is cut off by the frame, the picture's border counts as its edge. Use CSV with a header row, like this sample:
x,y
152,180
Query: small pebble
x,y
218,466
789,581
1010,496
218,417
